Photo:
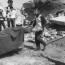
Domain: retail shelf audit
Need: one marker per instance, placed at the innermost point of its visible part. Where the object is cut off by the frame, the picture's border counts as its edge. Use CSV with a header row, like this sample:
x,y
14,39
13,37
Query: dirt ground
x,y
27,56
52,55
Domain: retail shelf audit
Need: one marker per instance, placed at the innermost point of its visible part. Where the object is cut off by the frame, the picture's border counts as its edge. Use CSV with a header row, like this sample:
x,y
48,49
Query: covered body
x,y
11,39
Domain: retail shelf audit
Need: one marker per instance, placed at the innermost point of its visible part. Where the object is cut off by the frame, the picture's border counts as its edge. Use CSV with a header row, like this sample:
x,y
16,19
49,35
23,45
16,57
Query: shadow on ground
x,y
11,53
54,61
30,47
16,51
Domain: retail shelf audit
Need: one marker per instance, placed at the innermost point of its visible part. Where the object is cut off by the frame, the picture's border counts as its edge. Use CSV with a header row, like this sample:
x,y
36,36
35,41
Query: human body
x,y
11,15
2,18
40,24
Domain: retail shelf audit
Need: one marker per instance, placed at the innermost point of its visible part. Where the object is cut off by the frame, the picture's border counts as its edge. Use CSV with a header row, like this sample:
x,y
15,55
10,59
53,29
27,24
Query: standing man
x,y
8,16
12,17
2,18
11,14
10,4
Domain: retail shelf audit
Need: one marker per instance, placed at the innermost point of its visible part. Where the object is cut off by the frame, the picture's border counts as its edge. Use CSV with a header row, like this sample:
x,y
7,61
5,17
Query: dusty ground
x,y
28,56
54,54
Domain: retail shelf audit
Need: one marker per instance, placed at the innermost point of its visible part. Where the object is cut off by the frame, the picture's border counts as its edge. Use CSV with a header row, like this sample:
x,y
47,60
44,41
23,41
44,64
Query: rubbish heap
x,y
55,49
51,34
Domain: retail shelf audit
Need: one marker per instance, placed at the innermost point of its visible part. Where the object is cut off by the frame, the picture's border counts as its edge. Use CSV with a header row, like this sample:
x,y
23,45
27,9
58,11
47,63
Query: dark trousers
x,y
2,24
37,33
12,21
38,41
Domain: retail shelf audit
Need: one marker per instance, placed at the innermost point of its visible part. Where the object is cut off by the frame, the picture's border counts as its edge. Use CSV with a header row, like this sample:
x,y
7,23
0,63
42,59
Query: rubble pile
x,y
55,49
50,34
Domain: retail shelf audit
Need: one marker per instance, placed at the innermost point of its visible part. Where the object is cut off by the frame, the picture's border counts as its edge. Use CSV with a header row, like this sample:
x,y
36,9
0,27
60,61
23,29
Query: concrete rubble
x,y
54,53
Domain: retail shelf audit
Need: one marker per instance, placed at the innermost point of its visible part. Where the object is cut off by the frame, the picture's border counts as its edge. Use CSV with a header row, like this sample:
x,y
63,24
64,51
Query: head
x,y
10,3
37,15
36,11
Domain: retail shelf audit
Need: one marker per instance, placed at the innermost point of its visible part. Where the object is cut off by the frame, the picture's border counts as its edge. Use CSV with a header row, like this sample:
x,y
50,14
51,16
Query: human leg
x,y
13,22
42,42
36,40
0,26
3,24
8,22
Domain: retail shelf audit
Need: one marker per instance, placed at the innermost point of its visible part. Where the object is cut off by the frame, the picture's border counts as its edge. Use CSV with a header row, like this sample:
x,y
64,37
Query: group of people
x,y
38,24
8,15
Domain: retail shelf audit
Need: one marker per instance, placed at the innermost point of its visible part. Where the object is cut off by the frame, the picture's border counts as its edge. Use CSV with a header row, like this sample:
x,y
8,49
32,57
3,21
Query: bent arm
x,y
27,30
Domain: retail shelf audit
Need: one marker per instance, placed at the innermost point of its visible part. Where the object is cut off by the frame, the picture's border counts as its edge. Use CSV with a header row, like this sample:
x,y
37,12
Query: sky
x,y
16,3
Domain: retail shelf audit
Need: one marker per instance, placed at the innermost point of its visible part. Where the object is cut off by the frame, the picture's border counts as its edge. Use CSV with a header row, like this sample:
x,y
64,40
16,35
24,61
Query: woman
x,y
40,23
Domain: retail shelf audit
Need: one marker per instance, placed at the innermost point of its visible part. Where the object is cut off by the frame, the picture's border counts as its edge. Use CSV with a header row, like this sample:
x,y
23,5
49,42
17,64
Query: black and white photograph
x,y
32,32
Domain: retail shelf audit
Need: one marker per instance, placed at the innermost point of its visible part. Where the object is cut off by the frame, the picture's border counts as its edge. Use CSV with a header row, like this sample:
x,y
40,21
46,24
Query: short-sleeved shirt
x,y
11,14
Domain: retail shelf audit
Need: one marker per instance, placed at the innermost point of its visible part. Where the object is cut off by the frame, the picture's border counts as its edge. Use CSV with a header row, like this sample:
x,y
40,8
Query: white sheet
x,y
60,18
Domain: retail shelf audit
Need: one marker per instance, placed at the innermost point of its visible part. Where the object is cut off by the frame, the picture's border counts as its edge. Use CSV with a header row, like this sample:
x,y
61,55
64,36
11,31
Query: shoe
x,y
43,49
37,49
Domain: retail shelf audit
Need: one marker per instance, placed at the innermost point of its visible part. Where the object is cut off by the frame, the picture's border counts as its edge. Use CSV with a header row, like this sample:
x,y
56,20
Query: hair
x,y
10,1
37,15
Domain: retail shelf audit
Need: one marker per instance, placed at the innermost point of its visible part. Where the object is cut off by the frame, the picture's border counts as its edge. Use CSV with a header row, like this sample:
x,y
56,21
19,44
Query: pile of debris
x,y
52,34
55,49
